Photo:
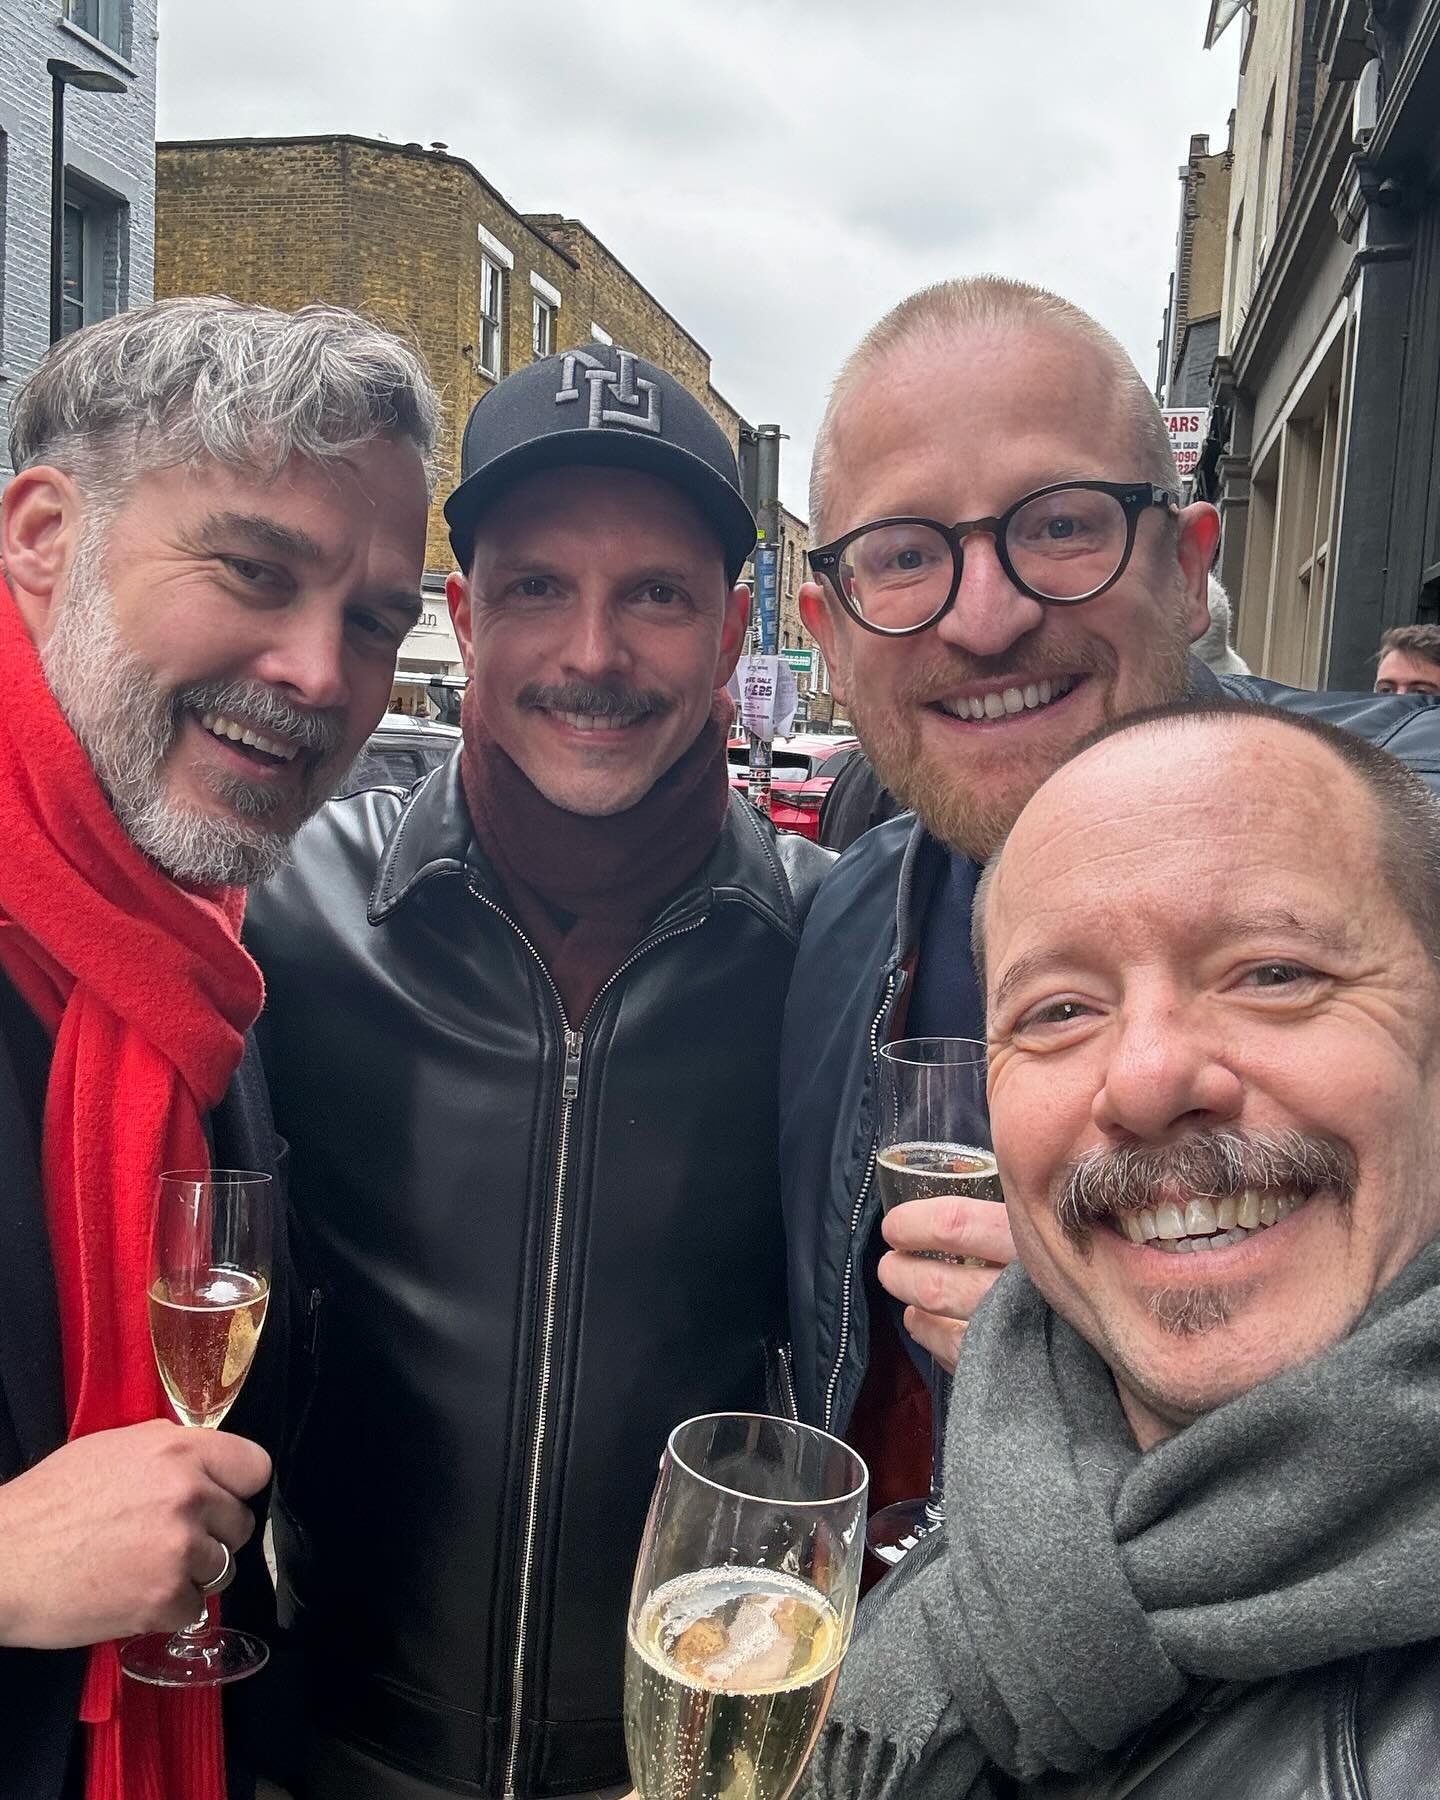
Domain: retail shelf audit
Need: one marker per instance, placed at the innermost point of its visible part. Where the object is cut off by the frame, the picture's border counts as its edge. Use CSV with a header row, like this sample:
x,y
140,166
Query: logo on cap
x,y
629,391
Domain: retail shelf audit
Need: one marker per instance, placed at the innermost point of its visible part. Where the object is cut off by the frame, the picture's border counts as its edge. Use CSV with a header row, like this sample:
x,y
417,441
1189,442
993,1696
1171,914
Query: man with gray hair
x,y
211,551
974,657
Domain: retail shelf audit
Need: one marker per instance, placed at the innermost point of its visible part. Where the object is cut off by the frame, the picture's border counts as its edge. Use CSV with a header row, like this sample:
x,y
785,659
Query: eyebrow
x,y
263,534
1273,921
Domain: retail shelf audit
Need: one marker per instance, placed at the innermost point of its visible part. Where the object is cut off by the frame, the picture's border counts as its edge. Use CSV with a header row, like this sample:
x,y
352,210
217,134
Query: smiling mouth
x,y
258,746
1008,703
1202,1225
597,721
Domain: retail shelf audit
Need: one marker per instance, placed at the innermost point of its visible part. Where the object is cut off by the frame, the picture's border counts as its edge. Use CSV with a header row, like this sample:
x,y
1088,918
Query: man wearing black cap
x,y
523,1028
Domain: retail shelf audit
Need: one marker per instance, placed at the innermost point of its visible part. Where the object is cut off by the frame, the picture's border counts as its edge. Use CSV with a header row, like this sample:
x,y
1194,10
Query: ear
x,y
1199,533
40,524
732,632
821,623
457,597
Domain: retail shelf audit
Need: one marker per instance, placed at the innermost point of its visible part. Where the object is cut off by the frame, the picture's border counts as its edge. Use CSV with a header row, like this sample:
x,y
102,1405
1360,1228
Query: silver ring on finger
x,y
221,1581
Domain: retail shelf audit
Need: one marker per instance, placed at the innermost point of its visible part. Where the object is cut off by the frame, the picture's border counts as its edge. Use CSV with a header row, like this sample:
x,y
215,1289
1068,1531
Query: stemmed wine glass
x,y
209,1290
934,1140
742,1607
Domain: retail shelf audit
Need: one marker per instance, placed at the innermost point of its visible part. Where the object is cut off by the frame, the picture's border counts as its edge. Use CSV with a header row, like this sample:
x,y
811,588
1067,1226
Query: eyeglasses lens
x,y
1066,545
897,575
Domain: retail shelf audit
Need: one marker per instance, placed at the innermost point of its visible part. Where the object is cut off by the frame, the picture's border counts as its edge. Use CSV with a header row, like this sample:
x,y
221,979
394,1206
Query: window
x,y
1262,190
542,314
544,305
94,276
102,19
492,313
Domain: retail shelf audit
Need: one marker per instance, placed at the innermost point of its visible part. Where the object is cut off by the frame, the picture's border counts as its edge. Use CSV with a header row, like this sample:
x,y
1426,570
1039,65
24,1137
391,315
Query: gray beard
x,y
127,725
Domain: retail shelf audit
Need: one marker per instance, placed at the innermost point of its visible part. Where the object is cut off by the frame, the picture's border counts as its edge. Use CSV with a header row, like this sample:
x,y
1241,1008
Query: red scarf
x,y
148,995
586,888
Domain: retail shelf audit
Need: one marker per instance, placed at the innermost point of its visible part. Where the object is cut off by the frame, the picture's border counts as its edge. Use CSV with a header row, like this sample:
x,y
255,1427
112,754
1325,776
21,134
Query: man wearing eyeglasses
x,y
1005,565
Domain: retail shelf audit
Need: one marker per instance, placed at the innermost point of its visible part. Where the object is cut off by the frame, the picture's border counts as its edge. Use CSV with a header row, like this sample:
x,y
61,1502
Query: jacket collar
x,y
432,836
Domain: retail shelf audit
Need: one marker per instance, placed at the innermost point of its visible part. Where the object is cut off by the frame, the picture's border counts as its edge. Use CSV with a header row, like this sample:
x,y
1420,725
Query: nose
x,y
989,614
307,658
595,643
1164,1076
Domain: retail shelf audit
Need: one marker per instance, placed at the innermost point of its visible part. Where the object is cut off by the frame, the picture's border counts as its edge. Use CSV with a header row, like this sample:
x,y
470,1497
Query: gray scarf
x,y
1080,1589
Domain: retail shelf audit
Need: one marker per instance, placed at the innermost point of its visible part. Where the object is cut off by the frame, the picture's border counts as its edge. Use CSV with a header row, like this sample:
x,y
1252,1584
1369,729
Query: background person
x,y
525,1026
1214,1088
1409,660
212,549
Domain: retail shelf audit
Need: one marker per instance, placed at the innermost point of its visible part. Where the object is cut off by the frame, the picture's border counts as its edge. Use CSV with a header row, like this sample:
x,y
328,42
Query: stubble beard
x,y
128,724
968,817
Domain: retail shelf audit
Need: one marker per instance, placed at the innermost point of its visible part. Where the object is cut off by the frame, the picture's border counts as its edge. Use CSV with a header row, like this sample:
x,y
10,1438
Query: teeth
x,y
1269,1210
1004,704
1169,1221
1199,1218
1248,1212
1200,1243
1225,1213
229,729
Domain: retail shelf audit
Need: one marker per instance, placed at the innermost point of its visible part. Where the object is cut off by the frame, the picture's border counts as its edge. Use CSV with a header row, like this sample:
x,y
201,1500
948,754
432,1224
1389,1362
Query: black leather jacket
x,y
537,1245
1366,1729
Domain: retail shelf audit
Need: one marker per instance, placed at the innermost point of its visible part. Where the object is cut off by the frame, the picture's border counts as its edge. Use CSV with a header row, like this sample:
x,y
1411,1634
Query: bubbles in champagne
x,y
205,1341
728,1676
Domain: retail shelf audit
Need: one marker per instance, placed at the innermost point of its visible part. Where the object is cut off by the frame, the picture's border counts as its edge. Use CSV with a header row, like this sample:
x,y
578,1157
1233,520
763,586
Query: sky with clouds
x,y
777,172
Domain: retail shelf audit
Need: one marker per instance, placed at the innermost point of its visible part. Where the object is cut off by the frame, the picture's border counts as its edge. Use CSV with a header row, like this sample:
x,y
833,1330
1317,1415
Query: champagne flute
x,y
209,1289
742,1607
934,1140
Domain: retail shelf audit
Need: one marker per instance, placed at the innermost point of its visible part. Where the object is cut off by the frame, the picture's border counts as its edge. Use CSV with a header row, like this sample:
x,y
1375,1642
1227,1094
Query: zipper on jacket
x,y
569,1093
787,1382
860,1199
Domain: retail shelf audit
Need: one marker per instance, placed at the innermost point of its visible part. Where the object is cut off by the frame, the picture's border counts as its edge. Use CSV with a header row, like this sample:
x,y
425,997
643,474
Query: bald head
x,y
967,319
1214,1021
1386,805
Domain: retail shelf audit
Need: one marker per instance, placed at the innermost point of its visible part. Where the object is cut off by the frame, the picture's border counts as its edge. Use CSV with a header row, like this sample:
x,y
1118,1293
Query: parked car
x,y
802,769
400,752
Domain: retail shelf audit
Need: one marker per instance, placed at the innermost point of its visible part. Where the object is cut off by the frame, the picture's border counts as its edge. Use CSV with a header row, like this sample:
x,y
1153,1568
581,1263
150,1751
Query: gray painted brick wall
x,y
109,142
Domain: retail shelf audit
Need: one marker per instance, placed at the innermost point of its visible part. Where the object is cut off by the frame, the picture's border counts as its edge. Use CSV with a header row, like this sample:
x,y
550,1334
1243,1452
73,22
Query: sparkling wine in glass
x,y
934,1140
209,1290
742,1607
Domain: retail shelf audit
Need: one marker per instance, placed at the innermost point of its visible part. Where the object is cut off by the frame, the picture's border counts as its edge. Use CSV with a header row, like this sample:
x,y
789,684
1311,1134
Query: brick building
x,y
1191,336
422,241
109,173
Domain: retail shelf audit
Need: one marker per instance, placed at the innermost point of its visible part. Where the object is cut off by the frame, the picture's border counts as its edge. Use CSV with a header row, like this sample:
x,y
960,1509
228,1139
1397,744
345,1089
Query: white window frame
x,y
109,27
492,324
542,326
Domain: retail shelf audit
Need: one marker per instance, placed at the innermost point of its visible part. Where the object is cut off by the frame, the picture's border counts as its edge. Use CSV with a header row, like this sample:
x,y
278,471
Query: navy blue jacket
x,y
863,930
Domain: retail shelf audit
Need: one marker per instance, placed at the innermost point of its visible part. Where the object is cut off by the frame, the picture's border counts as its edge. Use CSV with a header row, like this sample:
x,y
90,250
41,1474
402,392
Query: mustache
x,y
320,732
605,700
1212,1165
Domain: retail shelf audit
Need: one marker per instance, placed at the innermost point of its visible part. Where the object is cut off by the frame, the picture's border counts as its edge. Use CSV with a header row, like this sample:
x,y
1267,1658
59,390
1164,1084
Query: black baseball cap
x,y
600,405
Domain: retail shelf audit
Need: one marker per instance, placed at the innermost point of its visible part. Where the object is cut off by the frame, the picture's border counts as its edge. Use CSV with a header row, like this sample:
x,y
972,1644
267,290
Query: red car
x,y
802,769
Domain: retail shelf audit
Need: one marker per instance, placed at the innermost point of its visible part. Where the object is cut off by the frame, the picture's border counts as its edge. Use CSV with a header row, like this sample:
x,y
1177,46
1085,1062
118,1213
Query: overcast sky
x,y
777,172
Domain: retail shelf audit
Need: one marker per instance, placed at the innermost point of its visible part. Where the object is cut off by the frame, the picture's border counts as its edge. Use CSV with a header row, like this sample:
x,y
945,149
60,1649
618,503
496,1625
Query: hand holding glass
x,y
742,1607
209,1290
934,1140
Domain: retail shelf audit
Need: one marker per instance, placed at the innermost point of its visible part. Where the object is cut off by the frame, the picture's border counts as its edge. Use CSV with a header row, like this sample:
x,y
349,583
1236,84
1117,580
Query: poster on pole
x,y
765,689
767,595
1187,428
